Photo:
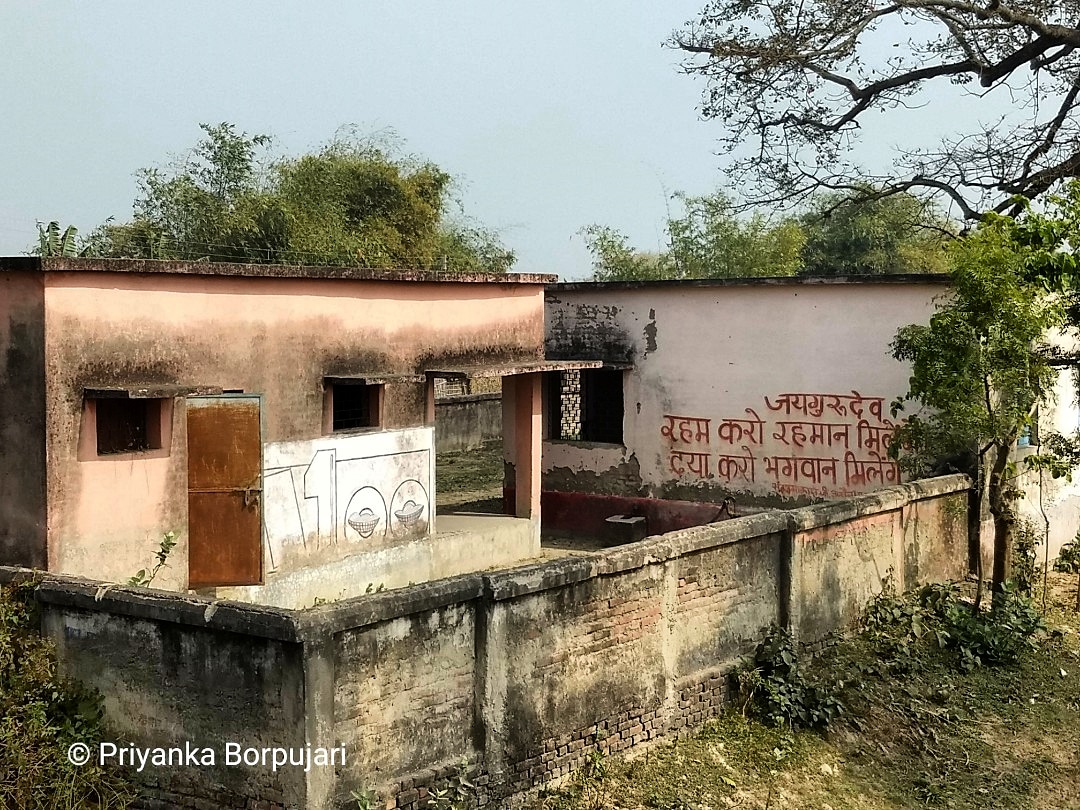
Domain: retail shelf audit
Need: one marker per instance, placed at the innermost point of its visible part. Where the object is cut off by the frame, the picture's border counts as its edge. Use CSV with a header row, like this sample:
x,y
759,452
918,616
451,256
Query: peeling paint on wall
x,y
588,331
650,332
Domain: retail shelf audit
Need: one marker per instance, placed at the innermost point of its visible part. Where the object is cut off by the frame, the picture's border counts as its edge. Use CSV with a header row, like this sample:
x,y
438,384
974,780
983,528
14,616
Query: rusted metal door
x,y
224,491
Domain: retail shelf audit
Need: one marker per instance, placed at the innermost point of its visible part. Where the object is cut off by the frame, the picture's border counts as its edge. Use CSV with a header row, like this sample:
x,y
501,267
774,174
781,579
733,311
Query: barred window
x,y
586,405
457,386
356,406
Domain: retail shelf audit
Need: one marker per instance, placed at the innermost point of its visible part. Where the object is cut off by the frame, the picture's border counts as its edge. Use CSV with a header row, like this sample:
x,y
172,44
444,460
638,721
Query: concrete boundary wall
x,y
518,674
466,421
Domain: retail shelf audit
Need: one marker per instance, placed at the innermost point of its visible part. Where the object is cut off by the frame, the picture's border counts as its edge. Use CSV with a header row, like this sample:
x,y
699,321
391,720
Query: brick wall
x,y
403,695
512,677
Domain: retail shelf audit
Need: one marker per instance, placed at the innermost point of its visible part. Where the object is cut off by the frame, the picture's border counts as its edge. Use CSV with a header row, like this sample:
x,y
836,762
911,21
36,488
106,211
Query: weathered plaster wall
x,y
579,653
771,392
520,673
1047,500
22,420
721,594
405,692
841,569
173,671
840,565
108,514
278,337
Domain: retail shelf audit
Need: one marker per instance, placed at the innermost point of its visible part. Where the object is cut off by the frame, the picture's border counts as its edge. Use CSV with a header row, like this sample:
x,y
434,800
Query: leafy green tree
x,y
892,234
54,242
837,236
615,260
983,364
711,241
354,202
707,240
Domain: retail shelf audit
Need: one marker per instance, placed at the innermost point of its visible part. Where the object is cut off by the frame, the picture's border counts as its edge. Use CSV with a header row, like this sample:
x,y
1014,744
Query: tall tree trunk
x,y
980,489
1004,519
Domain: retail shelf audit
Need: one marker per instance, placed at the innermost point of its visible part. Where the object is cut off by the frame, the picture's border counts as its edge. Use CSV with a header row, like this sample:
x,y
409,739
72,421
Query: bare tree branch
x,y
798,76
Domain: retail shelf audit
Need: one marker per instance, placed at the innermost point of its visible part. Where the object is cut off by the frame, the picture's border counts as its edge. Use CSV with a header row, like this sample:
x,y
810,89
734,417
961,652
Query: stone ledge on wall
x,y
387,605
299,625
824,514
164,606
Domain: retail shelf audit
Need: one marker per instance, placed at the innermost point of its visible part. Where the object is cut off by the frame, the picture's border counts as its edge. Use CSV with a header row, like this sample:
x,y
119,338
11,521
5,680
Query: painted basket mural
x,y
341,495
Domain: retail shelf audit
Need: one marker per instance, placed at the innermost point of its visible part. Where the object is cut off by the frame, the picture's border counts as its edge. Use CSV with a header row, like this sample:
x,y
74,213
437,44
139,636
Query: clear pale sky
x,y
554,115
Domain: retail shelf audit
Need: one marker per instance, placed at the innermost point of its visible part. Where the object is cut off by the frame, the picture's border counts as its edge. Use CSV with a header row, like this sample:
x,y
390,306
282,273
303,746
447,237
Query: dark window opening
x,y
127,425
586,405
356,406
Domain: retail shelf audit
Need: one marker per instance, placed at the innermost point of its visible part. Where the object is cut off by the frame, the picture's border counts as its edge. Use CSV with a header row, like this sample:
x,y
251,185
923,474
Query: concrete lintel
x,y
151,391
374,378
513,368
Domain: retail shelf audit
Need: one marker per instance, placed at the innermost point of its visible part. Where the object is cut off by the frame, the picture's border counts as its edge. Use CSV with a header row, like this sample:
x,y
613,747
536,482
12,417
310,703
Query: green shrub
x,y
41,715
1068,561
903,628
775,686
894,625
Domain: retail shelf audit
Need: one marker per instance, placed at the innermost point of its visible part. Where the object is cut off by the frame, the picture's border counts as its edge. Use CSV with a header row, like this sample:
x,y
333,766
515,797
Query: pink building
x,y
277,420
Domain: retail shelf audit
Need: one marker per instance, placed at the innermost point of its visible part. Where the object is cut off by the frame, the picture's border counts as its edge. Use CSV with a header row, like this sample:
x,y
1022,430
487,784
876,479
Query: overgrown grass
x,y
41,715
469,472
924,724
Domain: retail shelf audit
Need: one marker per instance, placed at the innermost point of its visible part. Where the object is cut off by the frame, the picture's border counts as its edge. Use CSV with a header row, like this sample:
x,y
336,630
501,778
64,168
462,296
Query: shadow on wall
x,y
587,514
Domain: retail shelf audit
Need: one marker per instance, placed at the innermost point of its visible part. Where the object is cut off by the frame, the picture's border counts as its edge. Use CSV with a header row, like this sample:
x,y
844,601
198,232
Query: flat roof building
x,y
276,420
